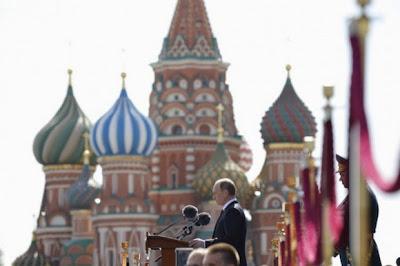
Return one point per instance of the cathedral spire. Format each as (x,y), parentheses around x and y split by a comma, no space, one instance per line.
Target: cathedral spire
(190,34)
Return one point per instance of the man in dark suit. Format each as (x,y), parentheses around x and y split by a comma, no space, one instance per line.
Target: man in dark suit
(231,225)
(342,247)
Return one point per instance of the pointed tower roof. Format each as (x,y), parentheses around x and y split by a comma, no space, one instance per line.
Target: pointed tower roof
(288,119)
(190,34)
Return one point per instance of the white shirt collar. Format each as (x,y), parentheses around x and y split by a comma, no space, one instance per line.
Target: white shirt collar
(229,202)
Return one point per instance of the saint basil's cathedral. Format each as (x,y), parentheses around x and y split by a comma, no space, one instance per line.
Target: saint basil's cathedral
(152,166)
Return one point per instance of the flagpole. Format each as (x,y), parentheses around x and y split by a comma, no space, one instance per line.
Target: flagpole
(358,253)
(327,245)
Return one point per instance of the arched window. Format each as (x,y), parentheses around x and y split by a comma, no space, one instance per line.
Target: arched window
(131,184)
(110,256)
(264,243)
(280,173)
(61,197)
(114,184)
(204,130)
(174,180)
(173,177)
(177,130)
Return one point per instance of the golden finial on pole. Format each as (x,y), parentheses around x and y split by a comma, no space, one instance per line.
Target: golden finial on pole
(86,152)
(363,3)
(220,130)
(70,77)
(124,253)
(275,246)
(328,92)
(288,68)
(123,76)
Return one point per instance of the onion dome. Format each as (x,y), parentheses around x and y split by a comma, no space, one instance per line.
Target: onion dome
(83,191)
(123,130)
(60,140)
(288,119)
(221,166)
(77,252)
(32,257)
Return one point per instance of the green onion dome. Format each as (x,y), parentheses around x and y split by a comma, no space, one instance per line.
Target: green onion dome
(60,140)
(222,166)
(288,119)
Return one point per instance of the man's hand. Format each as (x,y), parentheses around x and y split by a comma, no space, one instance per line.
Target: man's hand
(197,243)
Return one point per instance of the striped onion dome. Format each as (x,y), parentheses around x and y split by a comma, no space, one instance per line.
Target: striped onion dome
(60,140)
(77,252)
(83,191)
(221,166)
(32,257)
(123,130)
(288,119)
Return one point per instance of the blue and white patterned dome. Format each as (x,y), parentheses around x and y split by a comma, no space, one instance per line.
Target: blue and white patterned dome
(123,130)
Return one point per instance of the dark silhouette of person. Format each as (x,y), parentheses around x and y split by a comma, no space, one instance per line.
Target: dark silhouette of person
(342,247)
(231,225)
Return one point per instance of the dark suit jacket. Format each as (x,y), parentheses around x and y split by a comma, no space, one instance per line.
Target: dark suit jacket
(231,228)
(344,237)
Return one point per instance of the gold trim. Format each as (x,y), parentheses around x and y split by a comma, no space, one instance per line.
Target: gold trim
(65,167)
(125,158)
(285,145)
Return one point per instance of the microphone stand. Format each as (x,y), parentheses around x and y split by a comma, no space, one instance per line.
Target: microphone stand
(168,227)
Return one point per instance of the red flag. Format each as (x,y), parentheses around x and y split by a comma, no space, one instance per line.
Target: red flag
(312,223)
(328,191)
(358,116)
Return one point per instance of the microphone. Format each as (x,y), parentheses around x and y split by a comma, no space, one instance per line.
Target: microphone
(201,219)
(189,212)
(204,219)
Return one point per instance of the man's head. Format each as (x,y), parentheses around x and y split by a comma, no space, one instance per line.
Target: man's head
(221,254)
(343,165)
(196,257)
(224,189)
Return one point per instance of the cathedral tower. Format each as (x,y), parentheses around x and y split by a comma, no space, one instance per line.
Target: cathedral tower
(123,139)
(190,81)
(283,129)
(59,147)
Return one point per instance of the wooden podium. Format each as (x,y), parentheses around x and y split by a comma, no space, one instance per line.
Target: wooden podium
(167,245)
